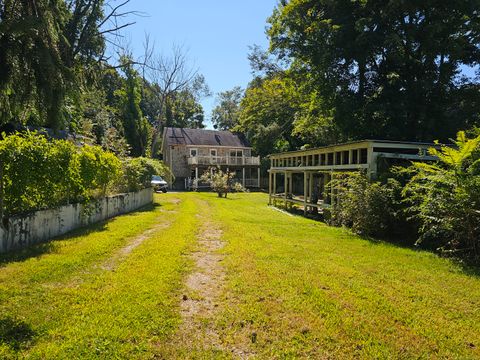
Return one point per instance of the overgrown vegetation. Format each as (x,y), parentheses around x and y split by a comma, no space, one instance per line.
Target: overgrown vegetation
(439,202)
(38,173)
(370,209)
(445,197)
(137,172)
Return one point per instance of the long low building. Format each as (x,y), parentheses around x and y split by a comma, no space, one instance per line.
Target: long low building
(317,166)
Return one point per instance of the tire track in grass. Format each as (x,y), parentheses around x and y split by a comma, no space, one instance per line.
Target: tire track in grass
(201,303)
(111,263)
(120,255)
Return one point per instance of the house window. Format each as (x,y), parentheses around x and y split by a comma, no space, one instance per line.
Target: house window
(193,152)
(213,152)
(236,153)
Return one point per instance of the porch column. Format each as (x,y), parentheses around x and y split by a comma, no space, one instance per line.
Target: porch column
(305,192)
(286,188)
(274,183)
(310,189)
(196,172)
(258,177)
(270,187)
(243,177)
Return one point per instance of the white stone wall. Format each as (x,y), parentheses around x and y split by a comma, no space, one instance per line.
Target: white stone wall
(40,226)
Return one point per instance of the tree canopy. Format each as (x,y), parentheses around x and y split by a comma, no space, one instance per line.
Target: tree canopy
(226,113)
(386,69)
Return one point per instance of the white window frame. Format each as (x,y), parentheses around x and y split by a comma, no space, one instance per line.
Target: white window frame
(213,158)
(236,153)
(196,152)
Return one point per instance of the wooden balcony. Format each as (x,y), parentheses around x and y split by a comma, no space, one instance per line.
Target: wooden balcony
(224,160)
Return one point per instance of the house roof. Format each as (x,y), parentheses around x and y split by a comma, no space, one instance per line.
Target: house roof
(183,136)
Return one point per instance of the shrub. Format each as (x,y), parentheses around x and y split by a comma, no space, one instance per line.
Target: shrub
(368,208)
(98,170)
(37,173)
(138,172)
(445,197)
(221,182)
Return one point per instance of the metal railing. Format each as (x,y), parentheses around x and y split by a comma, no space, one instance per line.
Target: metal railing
(224,160)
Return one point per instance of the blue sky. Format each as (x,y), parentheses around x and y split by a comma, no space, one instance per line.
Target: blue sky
(216,34)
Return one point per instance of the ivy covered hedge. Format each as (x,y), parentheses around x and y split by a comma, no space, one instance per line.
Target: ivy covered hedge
(38,173)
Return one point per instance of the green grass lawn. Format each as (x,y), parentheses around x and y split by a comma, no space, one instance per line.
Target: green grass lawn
(294,288)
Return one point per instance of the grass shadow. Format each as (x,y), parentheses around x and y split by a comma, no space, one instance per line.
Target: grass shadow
(51,245)
(15,334)
(468,266)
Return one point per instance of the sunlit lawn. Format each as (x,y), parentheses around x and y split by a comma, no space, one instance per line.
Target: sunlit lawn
(295,289)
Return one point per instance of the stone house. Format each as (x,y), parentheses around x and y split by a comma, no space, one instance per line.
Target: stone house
(190,152)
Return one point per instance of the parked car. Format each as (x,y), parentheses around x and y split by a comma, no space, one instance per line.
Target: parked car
(159,184)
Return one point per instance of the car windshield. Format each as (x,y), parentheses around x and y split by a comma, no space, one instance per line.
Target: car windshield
(157,178)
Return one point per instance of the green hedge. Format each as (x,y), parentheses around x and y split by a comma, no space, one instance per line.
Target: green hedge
(38,173)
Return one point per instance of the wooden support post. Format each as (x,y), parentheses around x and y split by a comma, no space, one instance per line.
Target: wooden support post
(270,187)
(243,177)
(305,192)
(258,178)
(291,184)
(310,188)
(274,183)
(331,189)
(286,188)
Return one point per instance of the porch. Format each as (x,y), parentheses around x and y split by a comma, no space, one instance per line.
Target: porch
(303,175)
(249,177)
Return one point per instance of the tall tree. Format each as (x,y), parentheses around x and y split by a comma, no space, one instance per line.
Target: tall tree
(389,69)
(183,110)
(32,73)
(225,115)
(137,130)
(48,50)
(267,113)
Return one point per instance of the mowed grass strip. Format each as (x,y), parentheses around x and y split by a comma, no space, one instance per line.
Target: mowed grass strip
(63,304)
(297,289)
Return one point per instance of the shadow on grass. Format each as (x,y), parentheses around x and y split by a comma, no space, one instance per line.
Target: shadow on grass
(15,334)
(51,246)
(468,266)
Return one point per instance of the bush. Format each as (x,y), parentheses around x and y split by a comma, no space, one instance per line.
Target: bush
(98,170)
(221,182)
(138,172)
(445,197)
(368,208)
(37,173)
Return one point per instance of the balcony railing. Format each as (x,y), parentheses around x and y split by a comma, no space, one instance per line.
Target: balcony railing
(223,160)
